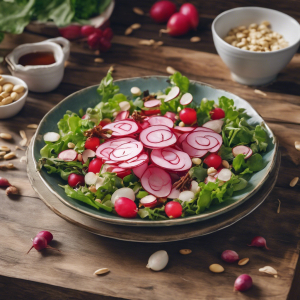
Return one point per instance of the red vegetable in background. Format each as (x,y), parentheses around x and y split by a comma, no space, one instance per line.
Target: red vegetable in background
(4,182)
(213,160)
(108,34)
(243,283)
(70,32)
(161,11)
(191,12)
(40,243)
(178,24)
(217,113)
(229,256)
(259,242)
(104,44)
(74,179)
(87,30)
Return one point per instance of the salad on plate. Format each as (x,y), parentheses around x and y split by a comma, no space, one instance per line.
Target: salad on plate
(154,155)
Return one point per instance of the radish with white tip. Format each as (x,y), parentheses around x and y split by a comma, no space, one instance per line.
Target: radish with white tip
(186,99)
(123,192)
(158,260)
(215,125)
(86,154)
(242,150)
(174,92)
(148,201)
(186,196)
(90,178)
(51,137)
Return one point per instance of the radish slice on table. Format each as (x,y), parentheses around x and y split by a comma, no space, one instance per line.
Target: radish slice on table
(104,150)
(122,115)
(209,179)
(148,201)
(141,159)
(51,137)
(174,92)
(215,125)
(122,192)
(242,150)
(224,175)
(186,196)
(186,99)
(159,120)
(87,153)
(139,171)
(68,155)
(170,115)
(174,194)
(171,159)
(155,137)
(122,128)
(126,151)
(90,178)
(184,129)
(157,182)
(152,103)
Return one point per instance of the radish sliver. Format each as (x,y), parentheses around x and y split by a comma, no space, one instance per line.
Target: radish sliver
(152,103)
(159,120)
(141,159)
(242,150)
(122,128)
(68,155)
(157,182)
(122,115)
(139,171)
(126,151)
(186,99)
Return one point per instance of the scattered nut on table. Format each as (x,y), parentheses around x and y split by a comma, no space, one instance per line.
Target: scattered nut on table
(101,271)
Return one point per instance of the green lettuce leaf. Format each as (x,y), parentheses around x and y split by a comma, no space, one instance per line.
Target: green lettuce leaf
(198,172)
(107,89)
(181,81)
(203,111)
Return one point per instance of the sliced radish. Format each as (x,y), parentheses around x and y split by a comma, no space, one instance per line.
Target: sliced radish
(145,124)
(87,153)
(174,194)
(157,182)
(195,188)
(139,171)
(159,120)
(124,105)
(161,97)
(186,99)
(170,115)
(104,150)
(68,155)
(141,159)
(126,151)
(209,179)
(90,178)
(192,152)
(174,92)
(148,201)
(51,137)
(186,196)
(122,128)
(242,150)
(151,112)
(122,192)
(181,139)
(99,182)
(215,125)
(152,103)
(171,159)
(122,115)
(224,175)
(184,129)
(155,137)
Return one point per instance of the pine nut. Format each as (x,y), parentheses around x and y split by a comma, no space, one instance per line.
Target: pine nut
(93,189)
(5,136)
(9,155)
(128,31)
(1,89)
(98,60)
(32,126)
(71,145)
(101,271)
(216,268)
(136,26)
(7,100)
(195,39)
(4,148)
(10,166)
(185,251)
(225,164)
(2,153)
(7,87)
(79,157)
(181,124)
(138,11)
(98,200)
(4,94)
(13,95)
(196,161)
(18,88)
(170,70)
(294,181)
(211,170)
(243,261)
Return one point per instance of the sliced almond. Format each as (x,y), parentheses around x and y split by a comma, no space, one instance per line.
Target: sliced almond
(32,126)
(216,268)
(259,92)
(195,39)
(128,31)
(136,26)
(9,155)
(268,270)
(170,70)
(101,271)
(23,142)
(4,148)
(5,136)
(138,11)
(294,181)
(98,60)
(185,251)
(243,261)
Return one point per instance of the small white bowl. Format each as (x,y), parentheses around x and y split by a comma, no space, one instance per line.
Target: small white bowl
(249,67)
(9,110)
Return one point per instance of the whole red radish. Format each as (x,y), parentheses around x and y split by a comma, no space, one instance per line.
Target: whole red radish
(213,161)
(217,113)
(178,24)
(4,182)
(75,179)
(95,165)
(70,32)
(191,12)
(173,209)
(39,243)
(92,143)
(188,116)
(259,242)
(87,30)
(47,235)
(94,40)
(104,44)
(161,11)
(229,256)
(126,208)
(243,283)
(108,34)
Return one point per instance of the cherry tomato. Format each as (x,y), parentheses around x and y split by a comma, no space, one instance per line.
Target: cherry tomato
(178,24)
(87,30)
(108,33)
(104,45)
(217,113)
(213,161)
(74,179)
(95,165)
(105,122)
(173,209)
(191,12)
(161,11)
(188,116)
(92,143)
(126,208)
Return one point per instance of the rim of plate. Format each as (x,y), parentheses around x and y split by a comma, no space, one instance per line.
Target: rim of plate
(170,222)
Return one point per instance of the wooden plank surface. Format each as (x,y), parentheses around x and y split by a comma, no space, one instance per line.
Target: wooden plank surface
(67,275)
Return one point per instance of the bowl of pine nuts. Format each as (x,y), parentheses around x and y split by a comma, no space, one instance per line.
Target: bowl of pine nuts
(13,94)
(255,43)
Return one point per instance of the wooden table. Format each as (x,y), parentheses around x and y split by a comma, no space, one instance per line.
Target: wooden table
(69,275)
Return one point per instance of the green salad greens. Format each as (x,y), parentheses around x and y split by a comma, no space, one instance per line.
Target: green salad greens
(197,156)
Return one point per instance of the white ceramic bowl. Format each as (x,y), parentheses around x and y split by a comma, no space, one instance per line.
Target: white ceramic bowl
(255,68)
(9,110)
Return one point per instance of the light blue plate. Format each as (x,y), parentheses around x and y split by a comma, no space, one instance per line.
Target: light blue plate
(88,97)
